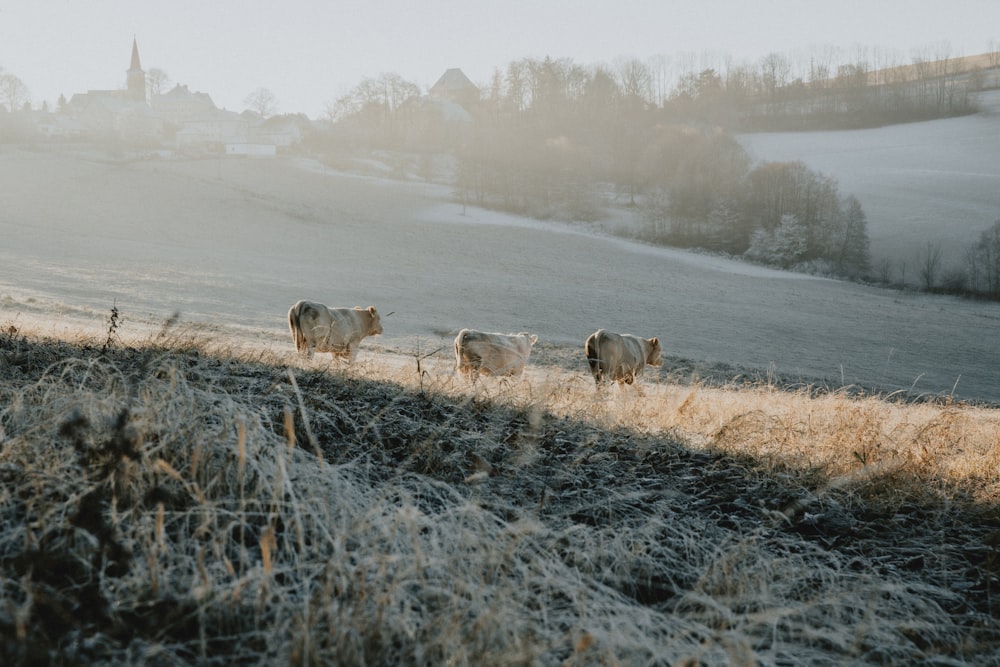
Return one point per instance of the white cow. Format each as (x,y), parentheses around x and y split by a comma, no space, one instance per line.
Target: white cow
(338,331)
(619,357)
(492,353)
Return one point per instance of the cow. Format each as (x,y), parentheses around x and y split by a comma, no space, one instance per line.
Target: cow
(492,353)
(338,331)
(619,357)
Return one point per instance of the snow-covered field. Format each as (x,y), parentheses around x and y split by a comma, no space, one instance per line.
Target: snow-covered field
(935,182)
(235,242)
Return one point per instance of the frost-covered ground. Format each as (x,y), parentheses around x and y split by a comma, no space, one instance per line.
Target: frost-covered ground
(236,242)
(935,182)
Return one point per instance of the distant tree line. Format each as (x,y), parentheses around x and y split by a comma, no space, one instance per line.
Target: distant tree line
(554,139)
(976,275)
(850,95)
(778,213)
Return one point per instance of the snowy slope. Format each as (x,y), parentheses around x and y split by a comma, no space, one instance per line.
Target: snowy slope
(934,182)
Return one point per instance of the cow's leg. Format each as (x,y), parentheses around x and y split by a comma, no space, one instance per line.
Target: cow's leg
(595,370)
(470,368)
(601,378)
(469,372)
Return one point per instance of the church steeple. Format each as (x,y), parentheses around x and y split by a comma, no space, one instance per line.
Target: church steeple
(136,78)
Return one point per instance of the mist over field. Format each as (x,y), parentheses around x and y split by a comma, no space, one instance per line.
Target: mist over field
(237,241)
(810,477)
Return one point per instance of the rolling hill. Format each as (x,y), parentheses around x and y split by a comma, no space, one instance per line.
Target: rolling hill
(236,242)
(934,182)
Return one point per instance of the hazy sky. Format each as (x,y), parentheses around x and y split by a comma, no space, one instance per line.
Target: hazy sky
(309,52)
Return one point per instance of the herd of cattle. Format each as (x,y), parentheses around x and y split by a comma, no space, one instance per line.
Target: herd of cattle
(611,356)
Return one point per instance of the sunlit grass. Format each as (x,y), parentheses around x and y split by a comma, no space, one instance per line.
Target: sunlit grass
(197,497)
(836,434)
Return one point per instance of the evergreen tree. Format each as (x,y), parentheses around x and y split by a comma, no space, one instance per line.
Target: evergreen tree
(854,257)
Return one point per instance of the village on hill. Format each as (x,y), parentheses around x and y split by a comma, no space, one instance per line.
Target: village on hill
(390,112)
(179,119)
(625,148)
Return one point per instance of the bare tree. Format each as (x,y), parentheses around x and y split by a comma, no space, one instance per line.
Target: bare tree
(983,259)
(263,102)
(13,92)
(660,78)
(854,256)
(929,262)
(156,81)
(635,81)
(774,72)
(884,269)
(518,87)
(382,105)
(993,52)
(396,91)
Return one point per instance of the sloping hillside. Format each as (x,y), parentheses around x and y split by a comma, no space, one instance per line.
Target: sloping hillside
(171,501)
(236,242)
(935,182)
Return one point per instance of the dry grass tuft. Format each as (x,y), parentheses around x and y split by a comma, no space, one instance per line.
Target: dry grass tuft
(170,501)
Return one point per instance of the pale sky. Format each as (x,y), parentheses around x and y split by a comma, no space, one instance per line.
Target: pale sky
(309,52)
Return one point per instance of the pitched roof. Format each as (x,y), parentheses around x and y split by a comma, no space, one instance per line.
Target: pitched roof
(181,95)
(451,82)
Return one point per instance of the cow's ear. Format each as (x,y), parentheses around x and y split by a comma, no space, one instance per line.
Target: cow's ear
(371,309)
(654,341)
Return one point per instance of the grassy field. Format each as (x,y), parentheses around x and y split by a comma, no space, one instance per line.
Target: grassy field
(167,500)
(236,242)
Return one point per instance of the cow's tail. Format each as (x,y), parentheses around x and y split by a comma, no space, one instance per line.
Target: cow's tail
(459,344)
(593,350)
(295,326)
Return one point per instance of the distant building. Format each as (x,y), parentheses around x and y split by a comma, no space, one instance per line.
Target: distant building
(104,113)
(211,133)
(180,104)
(454,86)
(185,120)
(135,81)
(116,100)
(442,119)
(123,112)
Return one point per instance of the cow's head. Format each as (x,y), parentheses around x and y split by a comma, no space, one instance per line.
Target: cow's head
(375,326)
(653,352)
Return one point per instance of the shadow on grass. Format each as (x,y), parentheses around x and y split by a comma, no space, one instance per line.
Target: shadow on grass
(103,475)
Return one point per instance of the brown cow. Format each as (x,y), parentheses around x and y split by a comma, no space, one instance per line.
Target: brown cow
(492,353)
(338,331)
(620,358)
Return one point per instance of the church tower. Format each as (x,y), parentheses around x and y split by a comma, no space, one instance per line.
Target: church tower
(136,81)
